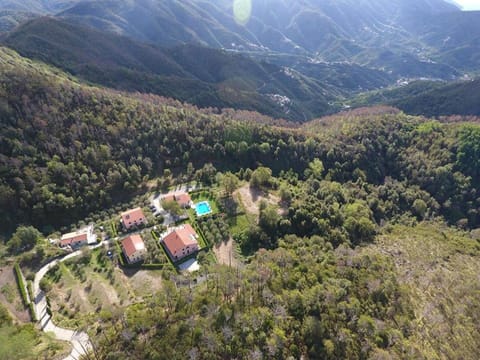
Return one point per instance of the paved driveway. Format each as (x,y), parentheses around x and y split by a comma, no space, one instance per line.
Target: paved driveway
(80,342)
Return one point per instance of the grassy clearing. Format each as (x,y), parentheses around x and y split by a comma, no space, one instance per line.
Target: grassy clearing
(238,224)
(439,269)
(27,343)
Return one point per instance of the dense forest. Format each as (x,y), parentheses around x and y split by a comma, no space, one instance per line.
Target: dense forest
(323,279)
(309,299)
(68,149)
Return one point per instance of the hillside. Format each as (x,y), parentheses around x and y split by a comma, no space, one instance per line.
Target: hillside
(456,36)
(114,141)
(428,38)
(428,98)
(104,144)
(9,19)
(437,266)
(365,247)
(201,76)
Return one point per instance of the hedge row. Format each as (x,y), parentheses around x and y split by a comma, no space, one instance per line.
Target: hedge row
(153,266)
(21,284)
(30,291)
(120,253)
(23,292)
(31,307)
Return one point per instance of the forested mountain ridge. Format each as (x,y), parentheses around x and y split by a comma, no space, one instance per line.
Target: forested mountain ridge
(117,137)
(291,60)
(404,38)
(69,149)
(428,98)
(201,76)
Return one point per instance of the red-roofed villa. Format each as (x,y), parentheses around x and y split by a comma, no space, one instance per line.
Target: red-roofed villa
(182,199)
(181,242)
(133,218)
(133,248)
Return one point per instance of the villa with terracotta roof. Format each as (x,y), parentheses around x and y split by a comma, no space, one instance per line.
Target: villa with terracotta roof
(181,242)
(133,248)
(182,199)
(79,238)
(133,218)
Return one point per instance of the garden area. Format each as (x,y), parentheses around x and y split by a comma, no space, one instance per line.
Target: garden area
(214,229)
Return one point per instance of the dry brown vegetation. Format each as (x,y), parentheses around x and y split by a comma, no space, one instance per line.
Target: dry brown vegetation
(439,268)
(225,253)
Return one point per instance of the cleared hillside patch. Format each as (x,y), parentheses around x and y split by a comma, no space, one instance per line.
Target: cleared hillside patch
(439,268)
(90,285)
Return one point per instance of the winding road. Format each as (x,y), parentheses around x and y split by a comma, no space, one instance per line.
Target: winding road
(80,341)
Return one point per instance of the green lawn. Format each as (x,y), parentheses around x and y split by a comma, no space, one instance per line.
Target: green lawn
(238,224)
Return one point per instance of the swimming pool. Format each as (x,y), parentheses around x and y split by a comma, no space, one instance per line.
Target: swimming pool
(203,208)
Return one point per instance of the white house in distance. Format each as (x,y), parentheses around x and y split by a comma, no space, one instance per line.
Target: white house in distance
(133,248)
(181,242)
(79,238)
(133,218)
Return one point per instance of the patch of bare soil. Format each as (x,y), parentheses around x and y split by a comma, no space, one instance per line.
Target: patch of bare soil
(10,296)
(105,292)
(145,282)
(251,199)
(225,253)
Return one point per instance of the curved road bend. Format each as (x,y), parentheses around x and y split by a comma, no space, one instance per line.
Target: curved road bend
(80,342)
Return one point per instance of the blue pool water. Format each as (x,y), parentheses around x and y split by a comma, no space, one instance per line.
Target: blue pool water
(203,208)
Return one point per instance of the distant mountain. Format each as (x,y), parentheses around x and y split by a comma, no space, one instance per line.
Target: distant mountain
(37,6)
(365,32)
(429,98)
(293,59)
(202,76)
(9,19)
(309,26)
(456,38)
(406,38)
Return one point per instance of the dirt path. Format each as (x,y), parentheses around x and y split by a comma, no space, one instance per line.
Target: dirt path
(225,253)
(251,199)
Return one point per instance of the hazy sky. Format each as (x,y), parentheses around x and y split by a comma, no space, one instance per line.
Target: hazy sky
(469,4)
